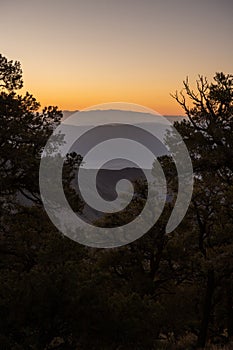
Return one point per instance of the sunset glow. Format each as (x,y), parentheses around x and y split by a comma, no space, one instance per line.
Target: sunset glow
(75,54)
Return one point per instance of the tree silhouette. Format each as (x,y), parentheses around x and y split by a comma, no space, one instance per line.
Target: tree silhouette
(163,291)
(10,74)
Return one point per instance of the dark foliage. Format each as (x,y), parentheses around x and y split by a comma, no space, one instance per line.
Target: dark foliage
(164,291)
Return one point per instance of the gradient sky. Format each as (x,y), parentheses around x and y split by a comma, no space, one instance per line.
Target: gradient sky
(76,53)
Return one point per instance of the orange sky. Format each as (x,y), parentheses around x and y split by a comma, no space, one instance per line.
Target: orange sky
(77,53)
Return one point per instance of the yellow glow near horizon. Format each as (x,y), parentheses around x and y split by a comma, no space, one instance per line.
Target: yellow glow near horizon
(77,53)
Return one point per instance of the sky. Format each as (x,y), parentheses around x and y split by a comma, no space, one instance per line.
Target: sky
(79,53)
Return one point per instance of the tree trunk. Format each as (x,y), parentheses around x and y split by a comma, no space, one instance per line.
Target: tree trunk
(230,310)
(206,310)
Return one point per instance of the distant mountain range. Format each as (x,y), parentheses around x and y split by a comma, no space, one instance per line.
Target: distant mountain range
(113,171)
(92,135)
(67,113)
(171,118)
